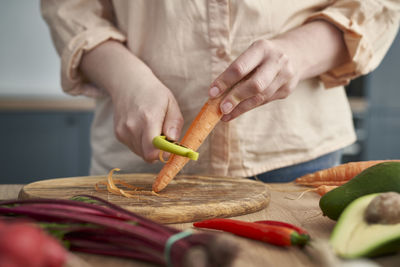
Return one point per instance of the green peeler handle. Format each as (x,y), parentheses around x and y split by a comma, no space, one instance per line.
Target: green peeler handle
(163,144)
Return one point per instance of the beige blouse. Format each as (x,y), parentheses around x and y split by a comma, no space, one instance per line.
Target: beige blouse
(188,43)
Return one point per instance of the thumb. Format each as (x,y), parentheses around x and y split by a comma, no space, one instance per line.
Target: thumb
(173,121)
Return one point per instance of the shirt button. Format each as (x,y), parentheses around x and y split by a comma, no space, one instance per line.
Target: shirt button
(221,53)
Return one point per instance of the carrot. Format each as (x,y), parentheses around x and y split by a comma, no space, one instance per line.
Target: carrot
(209,115)
(323,189)
(319,183)
(338,175)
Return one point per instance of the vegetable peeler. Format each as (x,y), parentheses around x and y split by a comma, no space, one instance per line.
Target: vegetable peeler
(163,144)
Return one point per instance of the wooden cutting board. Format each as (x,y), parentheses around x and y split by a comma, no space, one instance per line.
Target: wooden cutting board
(187,198)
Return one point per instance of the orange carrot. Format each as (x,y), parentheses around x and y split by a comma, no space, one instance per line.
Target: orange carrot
(319,183)
(323,189)
(337,175)
(209,115)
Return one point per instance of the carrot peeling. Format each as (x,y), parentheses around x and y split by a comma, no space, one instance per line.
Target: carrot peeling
(205,121)
(96,186)
(161,158)
(112,188)
(128,185)
(110,182)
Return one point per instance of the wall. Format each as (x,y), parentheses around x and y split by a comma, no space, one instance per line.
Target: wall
(383,120)
(29,64)
(37,141)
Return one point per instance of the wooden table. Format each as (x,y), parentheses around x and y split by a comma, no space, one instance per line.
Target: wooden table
(284,207)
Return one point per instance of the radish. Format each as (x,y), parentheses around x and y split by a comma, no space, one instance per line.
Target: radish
(25,244)
(22,243)
(8,262)
(54,254)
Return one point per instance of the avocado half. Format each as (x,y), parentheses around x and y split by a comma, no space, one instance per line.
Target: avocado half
(353,237)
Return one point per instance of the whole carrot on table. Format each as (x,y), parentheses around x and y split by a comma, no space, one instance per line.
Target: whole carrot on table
(337,175)
(209,115)
(323,189)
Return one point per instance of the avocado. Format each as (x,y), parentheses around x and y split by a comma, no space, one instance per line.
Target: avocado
(382,177)
(354,237)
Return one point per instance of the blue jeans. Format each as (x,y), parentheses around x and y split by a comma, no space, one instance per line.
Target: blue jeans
(290,173)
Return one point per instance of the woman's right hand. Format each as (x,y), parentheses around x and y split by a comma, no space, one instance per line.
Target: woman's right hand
(142,111)
(143,106)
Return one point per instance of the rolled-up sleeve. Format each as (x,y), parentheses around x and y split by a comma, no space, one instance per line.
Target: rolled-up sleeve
(77,26)
(369,27)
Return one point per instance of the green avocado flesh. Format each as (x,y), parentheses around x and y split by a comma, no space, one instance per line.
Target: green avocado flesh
(353,237)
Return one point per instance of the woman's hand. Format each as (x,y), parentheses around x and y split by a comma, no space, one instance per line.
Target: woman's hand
(143,106)
(263,73)
(270,69)
(141,113)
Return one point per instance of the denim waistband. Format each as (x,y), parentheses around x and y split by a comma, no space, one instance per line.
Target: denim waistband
(290,173)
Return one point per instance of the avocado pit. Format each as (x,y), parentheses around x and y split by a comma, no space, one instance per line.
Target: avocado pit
(384,209)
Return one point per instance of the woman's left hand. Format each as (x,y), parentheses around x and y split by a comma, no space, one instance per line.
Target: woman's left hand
(263,73)
(270,69)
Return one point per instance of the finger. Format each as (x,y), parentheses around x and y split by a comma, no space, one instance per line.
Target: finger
(284,83)
(285,90)
(173,121)
(123,132)
(237,71)
(150,127)
(279,88)
(150,153)
(242,107)
(164,156)
(136,144)
(256,84)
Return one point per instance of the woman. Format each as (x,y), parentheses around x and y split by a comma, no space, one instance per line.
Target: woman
(152,64)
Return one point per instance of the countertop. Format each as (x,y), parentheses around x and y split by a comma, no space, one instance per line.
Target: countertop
(284,206)
(46,103)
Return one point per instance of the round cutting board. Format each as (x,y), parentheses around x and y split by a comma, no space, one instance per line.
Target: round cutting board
(187,198)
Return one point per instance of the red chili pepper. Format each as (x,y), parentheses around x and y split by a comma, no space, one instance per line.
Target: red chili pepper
(285,224)
(273,234)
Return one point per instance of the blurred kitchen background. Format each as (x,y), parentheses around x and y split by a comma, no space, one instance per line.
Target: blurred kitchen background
(45,133)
